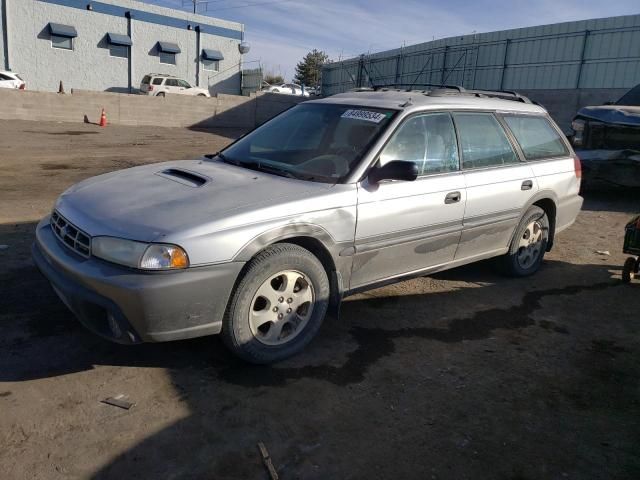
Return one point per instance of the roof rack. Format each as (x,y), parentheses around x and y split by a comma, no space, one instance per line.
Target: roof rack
(504,94)
(438,90)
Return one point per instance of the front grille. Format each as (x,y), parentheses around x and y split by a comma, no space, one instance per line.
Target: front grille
(70,235)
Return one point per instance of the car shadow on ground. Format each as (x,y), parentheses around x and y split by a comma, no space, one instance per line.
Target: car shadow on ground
(233,405)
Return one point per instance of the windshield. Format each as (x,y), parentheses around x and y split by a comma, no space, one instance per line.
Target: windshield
(631,98)
(318,142)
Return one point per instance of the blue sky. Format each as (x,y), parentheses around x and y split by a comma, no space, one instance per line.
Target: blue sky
(281,32)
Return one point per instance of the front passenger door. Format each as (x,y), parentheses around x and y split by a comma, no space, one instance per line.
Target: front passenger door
(406,227)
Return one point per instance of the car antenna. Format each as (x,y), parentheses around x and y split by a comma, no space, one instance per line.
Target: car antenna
(407,103)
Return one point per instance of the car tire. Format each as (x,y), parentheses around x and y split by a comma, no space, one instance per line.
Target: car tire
(275,90)
(201,95)
(278,305)
(629,270)
(528,245)
(161,94)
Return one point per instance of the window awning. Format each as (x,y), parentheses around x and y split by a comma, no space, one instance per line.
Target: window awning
(167,47)
(118,39)
(212,54)
(62,30)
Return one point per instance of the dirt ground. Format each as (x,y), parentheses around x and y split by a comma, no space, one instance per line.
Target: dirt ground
(462,375)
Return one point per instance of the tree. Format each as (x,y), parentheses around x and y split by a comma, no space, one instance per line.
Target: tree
(308,70)
(273,79)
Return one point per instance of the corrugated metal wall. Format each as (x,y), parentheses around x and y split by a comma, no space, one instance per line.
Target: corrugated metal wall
(599,53)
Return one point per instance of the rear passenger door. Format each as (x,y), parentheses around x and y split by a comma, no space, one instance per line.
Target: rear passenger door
(498,185)
(403,226)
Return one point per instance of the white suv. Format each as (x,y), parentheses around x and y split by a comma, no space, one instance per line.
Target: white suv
(11,80)
(159,84)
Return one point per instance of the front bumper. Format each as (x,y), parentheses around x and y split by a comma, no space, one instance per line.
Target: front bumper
(129,306)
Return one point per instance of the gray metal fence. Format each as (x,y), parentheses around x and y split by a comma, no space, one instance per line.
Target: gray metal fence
(251,80)
(599,53)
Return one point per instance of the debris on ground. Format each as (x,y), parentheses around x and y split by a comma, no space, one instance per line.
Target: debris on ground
(603,252)
(266,459)
(118,401)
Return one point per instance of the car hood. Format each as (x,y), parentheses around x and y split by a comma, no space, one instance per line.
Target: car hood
(152,201)
(612,114)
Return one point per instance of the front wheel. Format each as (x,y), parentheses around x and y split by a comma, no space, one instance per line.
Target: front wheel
(528,245)
(278,306)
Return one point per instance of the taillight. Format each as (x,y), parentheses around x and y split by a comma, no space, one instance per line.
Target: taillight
(23,86)
(577,166)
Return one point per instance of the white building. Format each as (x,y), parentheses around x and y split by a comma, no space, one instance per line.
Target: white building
(111,44)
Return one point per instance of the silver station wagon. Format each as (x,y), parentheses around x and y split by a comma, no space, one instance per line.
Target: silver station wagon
(334,196)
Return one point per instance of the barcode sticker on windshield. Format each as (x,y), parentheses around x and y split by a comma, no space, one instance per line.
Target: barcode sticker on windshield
(365,115)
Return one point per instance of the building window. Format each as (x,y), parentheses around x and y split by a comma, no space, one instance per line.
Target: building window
(167,52)
(211,65)
(120,51)
(168,58)
(64,43)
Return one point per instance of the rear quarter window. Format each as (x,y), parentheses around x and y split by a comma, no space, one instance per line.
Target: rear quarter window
(536,136)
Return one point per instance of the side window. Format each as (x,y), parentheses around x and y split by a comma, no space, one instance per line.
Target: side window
(428,140)
(537,138)
(184,84)
(157,81)
(484,142)
(4,77)
(171,82)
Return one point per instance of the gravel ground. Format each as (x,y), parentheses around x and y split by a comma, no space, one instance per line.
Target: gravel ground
(464,374)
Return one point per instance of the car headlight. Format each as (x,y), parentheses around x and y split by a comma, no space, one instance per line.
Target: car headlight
(134,254)
(578,132)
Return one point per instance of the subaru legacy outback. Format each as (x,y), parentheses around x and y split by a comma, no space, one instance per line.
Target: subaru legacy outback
(334,196)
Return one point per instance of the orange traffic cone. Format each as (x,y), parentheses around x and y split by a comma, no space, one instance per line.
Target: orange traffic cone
(103,119)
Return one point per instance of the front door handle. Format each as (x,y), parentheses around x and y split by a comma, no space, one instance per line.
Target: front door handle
(453,197)
(526,185)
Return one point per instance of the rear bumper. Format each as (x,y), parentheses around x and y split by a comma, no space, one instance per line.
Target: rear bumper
(127,306)
(567,211)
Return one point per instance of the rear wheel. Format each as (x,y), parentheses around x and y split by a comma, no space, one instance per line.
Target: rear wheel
(528,245)
(629,270)
(278,306)
(161,94)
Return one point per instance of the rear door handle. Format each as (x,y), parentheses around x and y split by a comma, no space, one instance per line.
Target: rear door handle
(526,185)
(453,197)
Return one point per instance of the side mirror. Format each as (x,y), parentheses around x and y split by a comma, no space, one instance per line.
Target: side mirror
(395,170)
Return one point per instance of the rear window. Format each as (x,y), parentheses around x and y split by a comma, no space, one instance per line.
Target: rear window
(631,98)
(537,138)
(146,79)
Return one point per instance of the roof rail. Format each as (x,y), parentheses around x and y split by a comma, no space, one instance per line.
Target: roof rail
(438,90)
(504,94)
(408,87)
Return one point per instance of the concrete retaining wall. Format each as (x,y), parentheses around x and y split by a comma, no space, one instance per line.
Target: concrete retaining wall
(171,111)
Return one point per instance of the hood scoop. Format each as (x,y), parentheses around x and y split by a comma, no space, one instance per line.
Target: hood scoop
(185,177)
